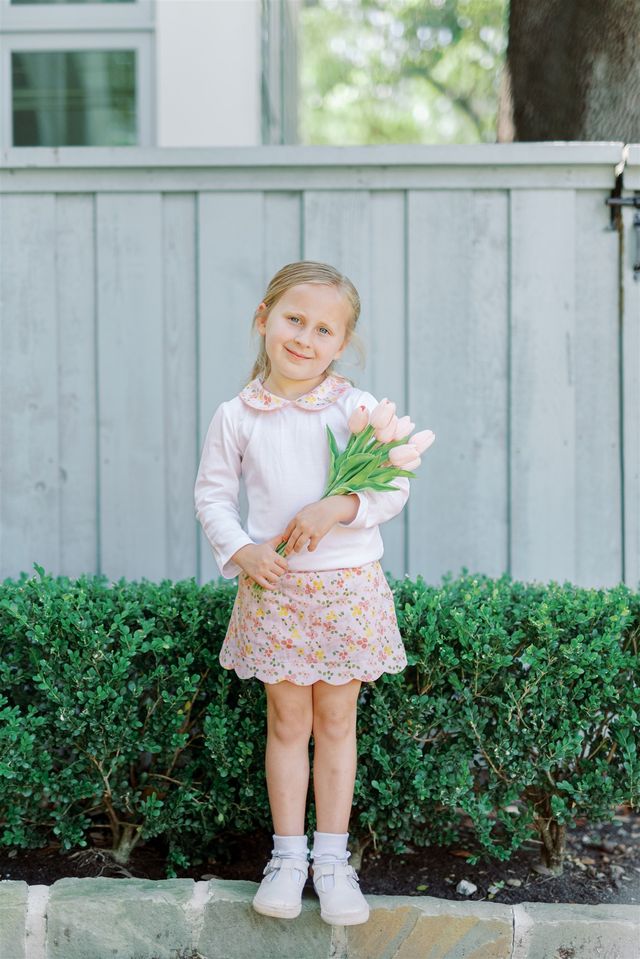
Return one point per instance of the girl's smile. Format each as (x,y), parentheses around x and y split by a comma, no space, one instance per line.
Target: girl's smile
(297,355)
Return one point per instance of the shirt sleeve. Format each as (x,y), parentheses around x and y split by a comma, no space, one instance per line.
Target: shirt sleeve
(216,492)
(378,506)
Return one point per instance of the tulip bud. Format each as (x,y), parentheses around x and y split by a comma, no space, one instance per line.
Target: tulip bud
(384,434)
(412,465)
(422,441)
(400,455)
(382,413)
(359,419)
(403,428)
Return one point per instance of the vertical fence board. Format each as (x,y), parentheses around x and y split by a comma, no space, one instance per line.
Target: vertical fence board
(179,375)
(29,414)
(458,279)
(630,344)
(543,391)
(133,499)
(386,323)
(282,227)
(75,307)
(596,370)
(230,258)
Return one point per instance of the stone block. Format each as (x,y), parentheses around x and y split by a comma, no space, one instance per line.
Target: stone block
(119,918)
(13,917)
(232,929)
(421,927)
(550,931)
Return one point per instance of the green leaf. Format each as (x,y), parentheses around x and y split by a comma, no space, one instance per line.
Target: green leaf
(333,450)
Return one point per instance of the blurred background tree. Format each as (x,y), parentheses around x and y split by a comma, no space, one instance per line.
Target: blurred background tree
(468,71)
(572,72)
(400,71)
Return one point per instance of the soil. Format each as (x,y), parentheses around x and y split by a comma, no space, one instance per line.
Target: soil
(602,865)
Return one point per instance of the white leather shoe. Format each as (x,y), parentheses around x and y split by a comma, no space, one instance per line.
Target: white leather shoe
(280,891)
(337,886)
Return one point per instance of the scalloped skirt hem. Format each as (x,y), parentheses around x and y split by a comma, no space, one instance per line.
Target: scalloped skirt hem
(299,681)
(332,625)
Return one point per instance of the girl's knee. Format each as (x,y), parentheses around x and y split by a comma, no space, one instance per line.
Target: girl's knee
(335,725)
(289,713)
(334,714)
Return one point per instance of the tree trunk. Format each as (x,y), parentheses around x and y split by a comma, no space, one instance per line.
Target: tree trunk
(572,71)
(554,840)
(127,840)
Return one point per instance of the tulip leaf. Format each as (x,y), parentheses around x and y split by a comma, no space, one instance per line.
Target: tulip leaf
(405,473)
(353,465)
(381,488)
(333,448)
(362,439)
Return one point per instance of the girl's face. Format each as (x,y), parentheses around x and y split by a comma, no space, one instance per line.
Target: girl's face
(304,332)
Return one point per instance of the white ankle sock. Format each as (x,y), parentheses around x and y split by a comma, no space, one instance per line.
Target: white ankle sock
(290,847)
(329,847)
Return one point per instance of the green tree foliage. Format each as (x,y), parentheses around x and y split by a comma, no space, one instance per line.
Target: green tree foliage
(400,71)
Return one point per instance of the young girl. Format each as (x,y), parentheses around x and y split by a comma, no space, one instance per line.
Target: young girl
(324,620)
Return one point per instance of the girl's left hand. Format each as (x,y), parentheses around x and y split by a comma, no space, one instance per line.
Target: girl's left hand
(313,522)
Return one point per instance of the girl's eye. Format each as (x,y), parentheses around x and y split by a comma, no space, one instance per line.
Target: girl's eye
(322,327)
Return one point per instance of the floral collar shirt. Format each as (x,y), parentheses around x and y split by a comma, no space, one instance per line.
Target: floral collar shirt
(279,448)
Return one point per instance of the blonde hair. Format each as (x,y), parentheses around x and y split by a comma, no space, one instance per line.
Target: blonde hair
(306,271)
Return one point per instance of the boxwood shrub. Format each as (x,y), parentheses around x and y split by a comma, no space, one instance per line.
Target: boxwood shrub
(517,714)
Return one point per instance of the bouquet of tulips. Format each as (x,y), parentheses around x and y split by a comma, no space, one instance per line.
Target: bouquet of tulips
(379,449)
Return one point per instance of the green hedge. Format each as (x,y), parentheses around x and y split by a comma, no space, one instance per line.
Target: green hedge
(519,709)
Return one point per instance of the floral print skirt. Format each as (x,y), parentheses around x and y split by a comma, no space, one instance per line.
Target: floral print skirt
(335,625)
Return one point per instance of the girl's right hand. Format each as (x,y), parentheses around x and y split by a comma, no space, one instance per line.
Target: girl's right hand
(261,562)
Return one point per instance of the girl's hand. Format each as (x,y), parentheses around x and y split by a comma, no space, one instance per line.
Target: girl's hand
(313,522)
(261,562)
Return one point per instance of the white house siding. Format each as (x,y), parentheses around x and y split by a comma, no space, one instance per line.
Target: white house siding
(490,284)
(208,72)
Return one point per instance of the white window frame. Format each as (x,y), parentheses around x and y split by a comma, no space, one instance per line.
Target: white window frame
(71,26)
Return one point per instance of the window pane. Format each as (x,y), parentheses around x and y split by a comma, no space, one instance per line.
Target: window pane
(74,98)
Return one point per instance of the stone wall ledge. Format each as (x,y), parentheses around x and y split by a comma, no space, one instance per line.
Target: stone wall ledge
(183,919)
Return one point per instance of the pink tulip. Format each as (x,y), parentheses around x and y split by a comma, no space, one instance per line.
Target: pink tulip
(414,464)
(384,434)
(359,419)
(422,441)
(403,428)
(382,413)
(400,455)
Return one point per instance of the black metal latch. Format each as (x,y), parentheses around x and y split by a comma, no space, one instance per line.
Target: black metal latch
(615,202)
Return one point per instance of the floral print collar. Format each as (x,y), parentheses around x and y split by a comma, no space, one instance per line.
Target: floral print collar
(333,386)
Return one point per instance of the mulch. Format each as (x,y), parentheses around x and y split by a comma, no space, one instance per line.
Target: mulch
(602,866)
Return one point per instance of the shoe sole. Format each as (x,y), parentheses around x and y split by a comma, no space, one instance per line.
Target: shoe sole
(349,920)
(278,912)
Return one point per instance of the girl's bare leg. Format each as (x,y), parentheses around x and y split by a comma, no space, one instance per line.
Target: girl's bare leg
(289,723)
(335,754)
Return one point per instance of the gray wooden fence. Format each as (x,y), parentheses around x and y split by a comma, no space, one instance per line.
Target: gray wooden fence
(499,309)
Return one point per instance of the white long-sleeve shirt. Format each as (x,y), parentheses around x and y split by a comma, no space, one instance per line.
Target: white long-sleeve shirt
(280,448)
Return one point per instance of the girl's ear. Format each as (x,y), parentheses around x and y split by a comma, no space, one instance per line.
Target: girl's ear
(343,347)
(260,318)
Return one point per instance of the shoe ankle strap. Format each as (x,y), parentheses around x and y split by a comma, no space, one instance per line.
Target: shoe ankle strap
(278,862)
(333,868)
